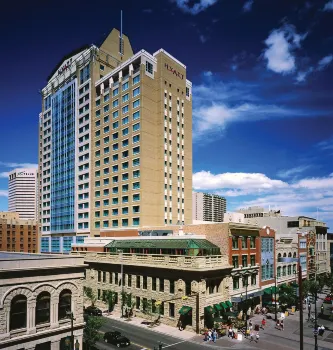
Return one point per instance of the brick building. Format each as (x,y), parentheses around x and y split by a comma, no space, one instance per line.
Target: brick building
(18,235)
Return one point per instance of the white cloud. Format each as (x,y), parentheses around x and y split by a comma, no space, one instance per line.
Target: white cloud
(326,144)
(248,6)
(325,62)
(19,165)
(245,183)
(198,7)
(3,193)
(328,6)
(302,76)
(207,73)
(300,198)
(281,44)
(4,174)
(293,171)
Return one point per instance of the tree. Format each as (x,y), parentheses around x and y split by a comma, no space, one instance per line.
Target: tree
(147,307)
(91,332)
(110,299)
(89,293)
(287,296)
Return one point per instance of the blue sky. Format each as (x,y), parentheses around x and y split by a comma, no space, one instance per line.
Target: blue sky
(262,88)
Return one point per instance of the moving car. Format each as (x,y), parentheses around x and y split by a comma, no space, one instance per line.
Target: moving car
(116,338)
(93,311)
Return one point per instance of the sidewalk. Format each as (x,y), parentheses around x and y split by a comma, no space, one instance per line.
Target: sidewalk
(162,328)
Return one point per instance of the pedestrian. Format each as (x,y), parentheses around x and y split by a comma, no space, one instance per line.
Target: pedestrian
(209,335)
(263,323)
(206,336)
(257,337)
(250,325)
(251,335)
(282,325)
(230,332)
(214,336)
(247,333)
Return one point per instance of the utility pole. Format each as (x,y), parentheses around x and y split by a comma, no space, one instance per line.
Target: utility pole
(300,282)
(71,316)
(275,299)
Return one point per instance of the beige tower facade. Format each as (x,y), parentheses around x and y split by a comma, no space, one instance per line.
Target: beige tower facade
(142,144)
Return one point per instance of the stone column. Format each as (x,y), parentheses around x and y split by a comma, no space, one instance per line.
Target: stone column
(55,345)
(31,317)
(54,315)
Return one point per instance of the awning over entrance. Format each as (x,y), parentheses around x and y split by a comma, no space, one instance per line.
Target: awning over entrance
(271,290)
(218,307)
(184,310)
(224,305)
(228,303)
(209,309)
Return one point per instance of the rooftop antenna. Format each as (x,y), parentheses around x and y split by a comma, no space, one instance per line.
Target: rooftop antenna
(121,48)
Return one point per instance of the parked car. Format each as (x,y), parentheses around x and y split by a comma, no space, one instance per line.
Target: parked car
(93,311)
(116,338)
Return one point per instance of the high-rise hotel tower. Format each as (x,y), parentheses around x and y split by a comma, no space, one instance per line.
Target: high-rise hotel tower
(115,147)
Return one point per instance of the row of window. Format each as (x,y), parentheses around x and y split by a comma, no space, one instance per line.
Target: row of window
(236,280)
(115,223)
(115,211)
(243,242)
(115,125)
(115,190)
(235,260)
(18,309)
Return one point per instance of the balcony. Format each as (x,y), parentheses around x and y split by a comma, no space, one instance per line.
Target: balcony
(177,262)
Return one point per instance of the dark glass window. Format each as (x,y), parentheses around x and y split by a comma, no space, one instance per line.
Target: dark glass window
(18,312)
(65,304)
(43,308)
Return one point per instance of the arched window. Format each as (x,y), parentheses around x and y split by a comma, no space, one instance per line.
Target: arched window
(289,255)
(43,308)
(294,256)
(18,312)
(284,270)
(65,304)
(279,255)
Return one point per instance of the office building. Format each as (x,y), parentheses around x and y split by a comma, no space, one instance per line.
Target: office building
(18,235)
(142,144)
(115,146)
(288,229)
(22,193)
(208,207)
(37,294)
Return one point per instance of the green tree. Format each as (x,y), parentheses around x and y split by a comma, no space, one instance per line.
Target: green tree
(110,298)
(287,296)
(89,293)
(147,307)
(91,333)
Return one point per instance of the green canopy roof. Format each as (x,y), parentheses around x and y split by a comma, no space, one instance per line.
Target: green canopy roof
(209,309)
(224,305)
(184,310)
(218,307)
(162,243)
(231,314)
(271,290)
(228,303)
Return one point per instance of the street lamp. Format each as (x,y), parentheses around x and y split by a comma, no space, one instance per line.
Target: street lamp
(246,281)
(71,317)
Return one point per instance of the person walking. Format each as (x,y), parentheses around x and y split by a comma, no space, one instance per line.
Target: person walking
(209,334)
(250,325)
(247,333)
(257,337)
(230,332)
(263,323)
(214,336)
(251,336)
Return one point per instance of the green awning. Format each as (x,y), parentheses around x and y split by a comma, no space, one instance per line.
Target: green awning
(218,307)
(224,305)
(209,309)
(184,310)
(271,290)
(228,303)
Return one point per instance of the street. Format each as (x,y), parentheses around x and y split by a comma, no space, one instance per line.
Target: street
(143,338)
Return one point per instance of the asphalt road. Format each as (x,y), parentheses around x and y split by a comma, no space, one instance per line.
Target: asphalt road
(143,338)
